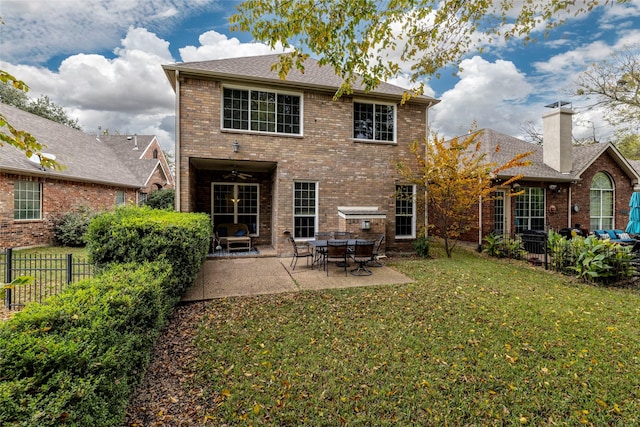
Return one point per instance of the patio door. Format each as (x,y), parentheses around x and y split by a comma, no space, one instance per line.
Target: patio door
(500,213)
(236,204)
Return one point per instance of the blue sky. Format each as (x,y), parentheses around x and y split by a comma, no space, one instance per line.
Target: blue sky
(101,60)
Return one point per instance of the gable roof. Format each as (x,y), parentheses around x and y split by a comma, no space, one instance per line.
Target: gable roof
(257,69)
(84,157)
(583,157)
(131,149)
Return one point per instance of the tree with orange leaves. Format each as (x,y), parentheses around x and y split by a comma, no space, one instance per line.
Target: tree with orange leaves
(457,175)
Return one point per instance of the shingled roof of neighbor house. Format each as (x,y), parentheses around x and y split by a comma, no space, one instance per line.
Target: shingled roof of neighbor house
(257,69)
(131,148)
(84,157)
(509,147)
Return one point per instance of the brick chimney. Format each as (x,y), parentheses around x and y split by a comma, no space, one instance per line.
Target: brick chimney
(557,140)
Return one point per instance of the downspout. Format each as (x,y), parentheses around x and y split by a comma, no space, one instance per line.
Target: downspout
(177,143)
(569,207)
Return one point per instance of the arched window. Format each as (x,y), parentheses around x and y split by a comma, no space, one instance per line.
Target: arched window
(155,154)
(601,202)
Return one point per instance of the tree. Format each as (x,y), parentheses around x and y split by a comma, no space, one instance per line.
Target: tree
(615,85)
(20,139)
(369,39)
(629,146)
(456,176)
(43,106)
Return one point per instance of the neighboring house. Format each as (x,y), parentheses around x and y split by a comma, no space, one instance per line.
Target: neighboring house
(590,185)
(97,175)
(285,158)
(143,156)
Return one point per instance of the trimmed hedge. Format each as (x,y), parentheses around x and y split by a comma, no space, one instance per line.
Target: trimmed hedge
(133,234)
(75,359)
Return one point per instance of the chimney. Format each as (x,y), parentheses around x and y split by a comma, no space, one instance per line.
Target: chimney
(557,140)
(135,141)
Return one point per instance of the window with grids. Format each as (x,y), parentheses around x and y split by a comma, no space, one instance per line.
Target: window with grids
(529,212)
(601,202)
(236,204)
(304,210)
(499,212)
(120,198)
(261,111)
(405,211)
(373,121)
(27,200)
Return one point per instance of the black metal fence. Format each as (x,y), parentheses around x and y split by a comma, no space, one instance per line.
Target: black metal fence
(601,263)
(49,274)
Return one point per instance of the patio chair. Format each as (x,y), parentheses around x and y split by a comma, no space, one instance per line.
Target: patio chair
(373,262)
(336,252)
(320,252)
(362,253)
(299,252)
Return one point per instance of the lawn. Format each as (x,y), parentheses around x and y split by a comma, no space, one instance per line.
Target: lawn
(475,341)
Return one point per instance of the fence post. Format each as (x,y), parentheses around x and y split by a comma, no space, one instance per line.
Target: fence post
(8,277)
(9,263)
(69,268)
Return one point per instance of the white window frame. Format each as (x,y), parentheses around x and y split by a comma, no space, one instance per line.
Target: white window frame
(315,207)
(235,205)
(262,89)
(375,103)
(413,213)
(121,197)
(18,200)
(601,192)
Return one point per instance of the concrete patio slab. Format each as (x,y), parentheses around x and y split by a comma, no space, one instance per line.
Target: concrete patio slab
(220,278)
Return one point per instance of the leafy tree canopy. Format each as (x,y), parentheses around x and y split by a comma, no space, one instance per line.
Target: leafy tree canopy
(371,38)
(43,106)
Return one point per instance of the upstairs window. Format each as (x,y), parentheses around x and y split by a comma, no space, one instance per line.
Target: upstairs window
(261,111)
(374,122)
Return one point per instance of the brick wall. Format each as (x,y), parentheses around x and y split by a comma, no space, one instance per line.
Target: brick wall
(559,212)
(348,173)
(58,197)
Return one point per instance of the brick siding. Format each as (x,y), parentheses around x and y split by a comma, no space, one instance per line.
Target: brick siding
(348,173)
(58,198)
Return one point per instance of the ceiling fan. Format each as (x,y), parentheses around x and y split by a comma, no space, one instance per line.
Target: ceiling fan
(235,175)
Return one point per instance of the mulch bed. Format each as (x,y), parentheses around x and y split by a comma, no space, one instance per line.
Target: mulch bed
(167,396)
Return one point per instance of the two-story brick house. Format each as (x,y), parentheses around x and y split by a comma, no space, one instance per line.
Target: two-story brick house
(565,185)
(285,158)
(100,172)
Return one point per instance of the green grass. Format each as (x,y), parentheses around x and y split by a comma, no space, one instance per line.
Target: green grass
(474,342)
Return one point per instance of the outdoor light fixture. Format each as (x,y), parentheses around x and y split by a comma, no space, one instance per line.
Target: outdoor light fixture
(555,189)
(236,146)
(515,186)
(365,225)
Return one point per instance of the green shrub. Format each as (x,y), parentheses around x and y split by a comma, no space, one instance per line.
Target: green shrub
(71,227)
(161,199)
(133,234)
(75,359)
(601,261)
(421,246)
(500,246)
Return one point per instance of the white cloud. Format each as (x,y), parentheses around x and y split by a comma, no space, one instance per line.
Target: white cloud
(491,94)
(53,27)
(214,45)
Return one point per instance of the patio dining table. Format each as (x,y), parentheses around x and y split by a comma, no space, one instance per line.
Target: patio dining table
(320,245)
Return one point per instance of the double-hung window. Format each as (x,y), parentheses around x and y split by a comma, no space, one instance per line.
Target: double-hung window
(305,208)
(405,211)
(374,122)
(261,111)
(27,200)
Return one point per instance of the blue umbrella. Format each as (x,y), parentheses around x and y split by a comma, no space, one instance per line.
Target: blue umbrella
(633,227)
